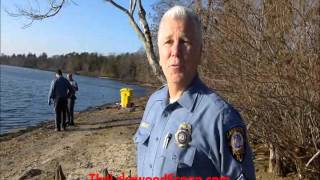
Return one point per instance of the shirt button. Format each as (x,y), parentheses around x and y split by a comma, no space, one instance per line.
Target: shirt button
(157,139)
(174,157)
(150,166)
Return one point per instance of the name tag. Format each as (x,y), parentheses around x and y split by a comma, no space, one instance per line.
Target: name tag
(144,125)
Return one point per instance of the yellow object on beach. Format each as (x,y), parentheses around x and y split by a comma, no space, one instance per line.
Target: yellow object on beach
(125,94)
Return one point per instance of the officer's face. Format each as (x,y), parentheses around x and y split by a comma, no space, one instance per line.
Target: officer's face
(179,50)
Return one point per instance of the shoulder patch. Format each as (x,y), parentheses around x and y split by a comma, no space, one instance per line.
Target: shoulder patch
(236,142)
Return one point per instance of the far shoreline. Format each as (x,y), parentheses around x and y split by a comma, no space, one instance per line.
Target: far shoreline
(86,74)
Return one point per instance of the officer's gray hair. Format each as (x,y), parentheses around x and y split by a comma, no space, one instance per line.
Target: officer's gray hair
(183,13)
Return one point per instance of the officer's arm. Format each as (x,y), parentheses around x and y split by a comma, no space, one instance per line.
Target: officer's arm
(70,88)
(50,94)
(76,88)
(234,150)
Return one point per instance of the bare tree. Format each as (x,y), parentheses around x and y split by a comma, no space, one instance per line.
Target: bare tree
(263,56)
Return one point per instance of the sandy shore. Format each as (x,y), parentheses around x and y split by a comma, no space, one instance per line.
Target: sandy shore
(102,138)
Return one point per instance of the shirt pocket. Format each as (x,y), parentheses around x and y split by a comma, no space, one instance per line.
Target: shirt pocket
(141,140)
(177,160)
(186,157)
(186,161)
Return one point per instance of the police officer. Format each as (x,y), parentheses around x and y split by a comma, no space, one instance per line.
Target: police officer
(187,129)
(60,90)
(71,99)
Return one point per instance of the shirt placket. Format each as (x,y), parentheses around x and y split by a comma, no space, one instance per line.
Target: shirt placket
(157,138)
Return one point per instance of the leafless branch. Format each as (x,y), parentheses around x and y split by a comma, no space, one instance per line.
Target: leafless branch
(121,8)
(313,157)
(33,14)
(132,6)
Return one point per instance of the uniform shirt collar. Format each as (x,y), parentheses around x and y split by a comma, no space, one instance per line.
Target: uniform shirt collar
(163,94)
(189,96)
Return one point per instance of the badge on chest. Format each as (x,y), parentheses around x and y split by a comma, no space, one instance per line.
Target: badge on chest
(183,135)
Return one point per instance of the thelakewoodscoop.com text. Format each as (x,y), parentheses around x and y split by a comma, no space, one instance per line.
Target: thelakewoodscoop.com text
(97,176)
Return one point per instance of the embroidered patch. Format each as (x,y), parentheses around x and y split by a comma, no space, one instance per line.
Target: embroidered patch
(144,125)
(236,143)
(183,135)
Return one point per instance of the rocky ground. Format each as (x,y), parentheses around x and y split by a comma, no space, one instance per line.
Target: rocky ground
(102,138)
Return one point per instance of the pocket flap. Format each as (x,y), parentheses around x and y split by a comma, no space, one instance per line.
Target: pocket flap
(187,156)
(142,135)
(141,138)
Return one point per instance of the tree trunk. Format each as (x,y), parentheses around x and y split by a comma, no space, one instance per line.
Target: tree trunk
(272,158)
(275,163)
(144,35)
(279,168)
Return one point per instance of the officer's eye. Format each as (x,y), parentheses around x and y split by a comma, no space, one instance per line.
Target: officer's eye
(169,41)
(186,41)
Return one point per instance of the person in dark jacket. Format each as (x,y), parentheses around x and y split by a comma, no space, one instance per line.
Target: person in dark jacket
(71,99)
(59,92)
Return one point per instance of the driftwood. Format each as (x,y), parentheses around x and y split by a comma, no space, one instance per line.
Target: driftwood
(30,173)
(105,173)
(59,174)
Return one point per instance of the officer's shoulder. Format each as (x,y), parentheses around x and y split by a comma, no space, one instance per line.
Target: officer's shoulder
(157,94)
(216,102)
(212,99)
(53,82)
(161,87)
(155,97)
(64,78)
(222,104)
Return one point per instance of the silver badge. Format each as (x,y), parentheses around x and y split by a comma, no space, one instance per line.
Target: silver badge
(183,135)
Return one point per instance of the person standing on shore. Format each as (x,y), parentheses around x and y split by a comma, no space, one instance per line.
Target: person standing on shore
(187,130)
(59,92)
(71,100)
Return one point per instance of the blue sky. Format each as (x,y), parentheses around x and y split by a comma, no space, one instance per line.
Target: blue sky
(89,26)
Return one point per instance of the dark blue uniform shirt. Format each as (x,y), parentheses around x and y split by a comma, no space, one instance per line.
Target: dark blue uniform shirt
(214,144)
(59,88)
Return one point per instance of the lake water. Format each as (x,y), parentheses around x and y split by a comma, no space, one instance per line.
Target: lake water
(24,95)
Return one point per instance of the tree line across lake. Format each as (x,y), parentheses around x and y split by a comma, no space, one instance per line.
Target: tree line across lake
(131,67)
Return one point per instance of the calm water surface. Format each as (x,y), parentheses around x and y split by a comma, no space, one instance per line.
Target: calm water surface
(24,93)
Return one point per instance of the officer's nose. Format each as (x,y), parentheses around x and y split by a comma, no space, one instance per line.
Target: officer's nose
(176,49)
